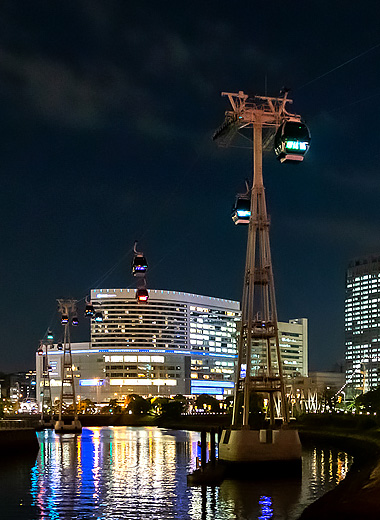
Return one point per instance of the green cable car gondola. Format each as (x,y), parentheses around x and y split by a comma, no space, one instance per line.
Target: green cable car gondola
(292,141)
(241,211)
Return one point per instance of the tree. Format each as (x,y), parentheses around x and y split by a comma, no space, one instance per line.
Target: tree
(172,409)
(112,407)
(158,403)
(369,402)
(182,399)
(207,402)
(87,406)
(137,404)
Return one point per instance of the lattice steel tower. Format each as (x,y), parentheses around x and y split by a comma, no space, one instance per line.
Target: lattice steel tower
(67,309)
(262,116)
(46,401)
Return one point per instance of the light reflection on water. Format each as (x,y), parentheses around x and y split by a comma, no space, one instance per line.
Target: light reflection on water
(140,473)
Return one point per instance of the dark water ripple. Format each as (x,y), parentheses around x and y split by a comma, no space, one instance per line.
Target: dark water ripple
(140,473)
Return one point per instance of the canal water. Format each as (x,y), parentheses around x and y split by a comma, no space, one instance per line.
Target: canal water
(117,473)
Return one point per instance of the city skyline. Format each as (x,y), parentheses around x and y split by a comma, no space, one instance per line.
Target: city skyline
(108,112)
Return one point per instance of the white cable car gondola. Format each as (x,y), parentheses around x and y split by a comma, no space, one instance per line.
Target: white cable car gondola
(292,141)
(241,211)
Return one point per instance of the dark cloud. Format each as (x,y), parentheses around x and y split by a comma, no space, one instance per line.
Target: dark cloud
(108,108)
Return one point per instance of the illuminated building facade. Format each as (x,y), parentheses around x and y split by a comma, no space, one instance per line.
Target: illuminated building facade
(293,337)
(362,325)
(178,343)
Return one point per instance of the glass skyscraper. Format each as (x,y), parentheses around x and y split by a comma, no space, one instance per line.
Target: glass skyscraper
(362,325)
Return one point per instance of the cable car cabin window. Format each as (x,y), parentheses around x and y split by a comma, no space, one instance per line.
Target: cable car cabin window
(241,212)
(139,264)
(296,131)
(243,205)
(291,141)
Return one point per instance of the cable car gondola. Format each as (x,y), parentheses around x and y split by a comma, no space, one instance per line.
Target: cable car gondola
(139,265)
(64,319)
(142,295)
(89,310)
(241,211)
(59,346)
(98,317)
(74,321)
(292,141)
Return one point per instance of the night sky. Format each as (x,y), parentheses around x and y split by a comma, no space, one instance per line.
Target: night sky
(108,108)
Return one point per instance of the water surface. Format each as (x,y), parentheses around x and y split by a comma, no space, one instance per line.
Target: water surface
(119,473)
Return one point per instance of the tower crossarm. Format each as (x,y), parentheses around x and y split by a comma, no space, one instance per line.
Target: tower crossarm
(267,111)
(266,384)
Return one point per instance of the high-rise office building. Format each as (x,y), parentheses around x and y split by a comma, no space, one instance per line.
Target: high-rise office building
(362,325)
(293,337)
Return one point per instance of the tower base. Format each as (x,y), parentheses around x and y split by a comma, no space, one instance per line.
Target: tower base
(74,427)
(258,446)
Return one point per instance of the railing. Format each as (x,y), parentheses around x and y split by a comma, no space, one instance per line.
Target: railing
(17,424)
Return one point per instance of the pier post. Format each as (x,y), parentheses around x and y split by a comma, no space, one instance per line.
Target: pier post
(212,446)
(203,449)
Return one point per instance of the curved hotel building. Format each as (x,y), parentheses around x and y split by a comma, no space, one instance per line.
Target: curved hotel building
(177,343)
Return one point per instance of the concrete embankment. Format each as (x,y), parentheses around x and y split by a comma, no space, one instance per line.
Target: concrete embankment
(14,442)
(185,422)
(358,495)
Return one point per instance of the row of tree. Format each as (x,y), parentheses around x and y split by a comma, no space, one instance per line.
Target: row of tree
(165,406)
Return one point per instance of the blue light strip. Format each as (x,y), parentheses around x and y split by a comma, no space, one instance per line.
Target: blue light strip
(147,351)
(207,390)
(212,384)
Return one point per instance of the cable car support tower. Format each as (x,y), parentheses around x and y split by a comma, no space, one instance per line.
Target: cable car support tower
(45,389)
(261,116)
(67,309)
